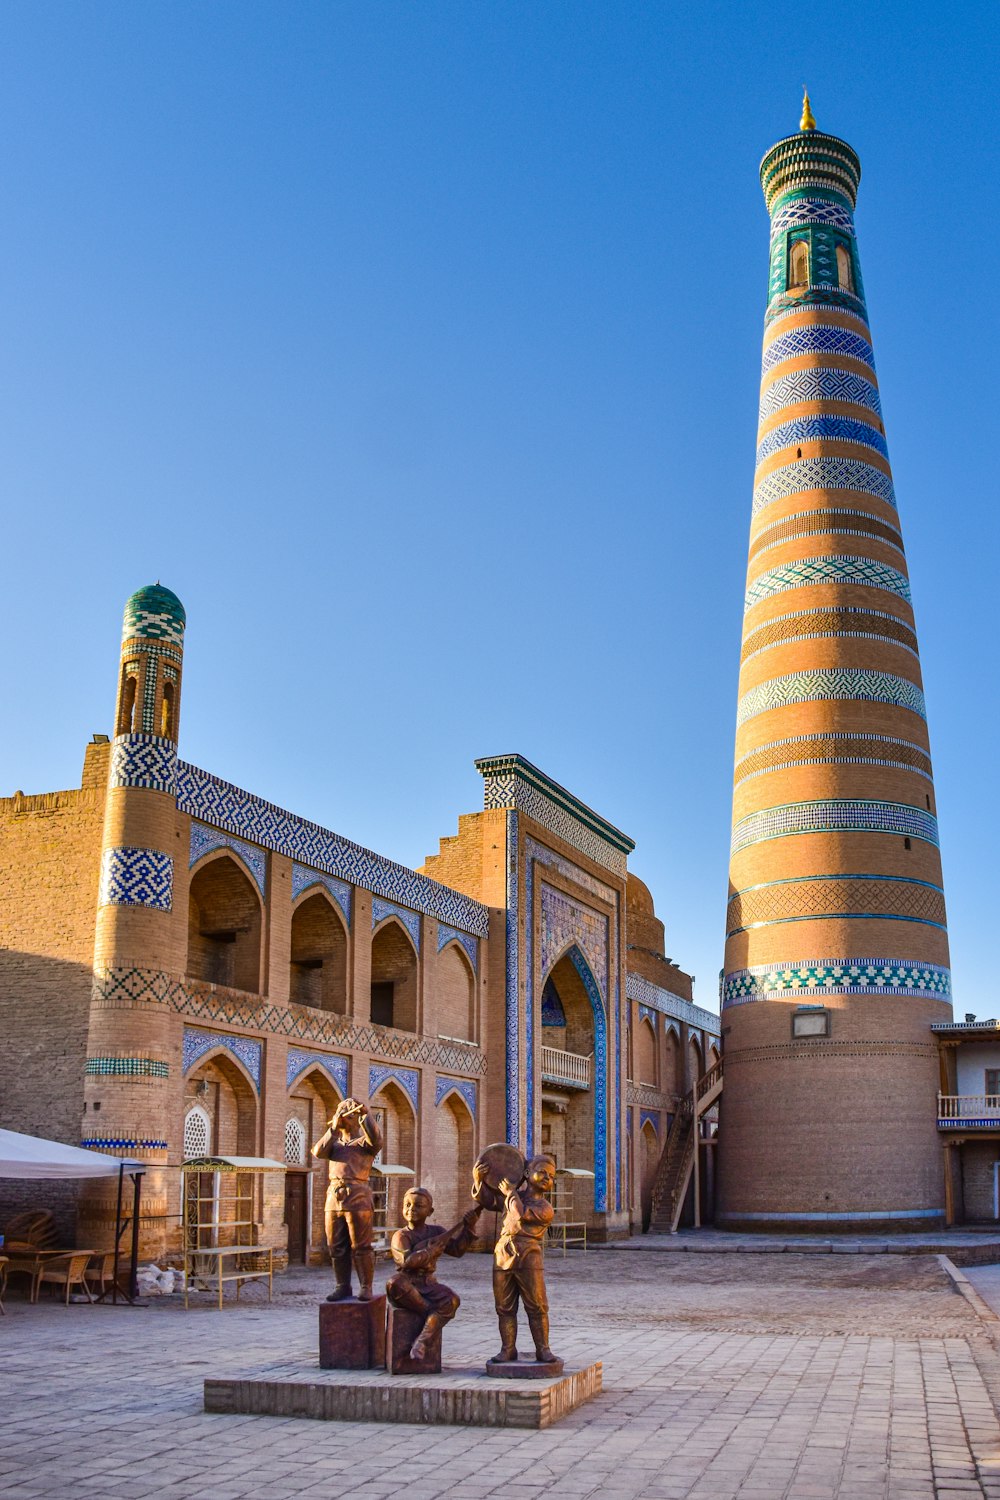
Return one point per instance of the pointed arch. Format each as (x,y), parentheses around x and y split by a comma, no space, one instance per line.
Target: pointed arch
(649,1157)
(219,1084)
(798,263)
(586,1032)
(225,918)
(318,952)
(644,1052)
(454,993)
(399,1139)
(454,1155)
(394,976)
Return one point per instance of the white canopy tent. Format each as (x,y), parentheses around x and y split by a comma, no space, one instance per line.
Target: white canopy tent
(30,1157)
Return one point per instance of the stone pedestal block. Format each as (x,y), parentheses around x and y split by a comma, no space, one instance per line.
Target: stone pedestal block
(352,1334)
(402,1328)
(523,1369)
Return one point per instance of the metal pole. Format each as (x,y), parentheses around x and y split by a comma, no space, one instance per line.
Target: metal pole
(118,1230)
(133,1272)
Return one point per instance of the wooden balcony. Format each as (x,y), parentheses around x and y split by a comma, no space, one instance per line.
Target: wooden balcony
(968,1111)
(565,1068)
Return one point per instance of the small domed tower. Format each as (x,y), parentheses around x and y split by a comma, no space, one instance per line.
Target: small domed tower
(139,939)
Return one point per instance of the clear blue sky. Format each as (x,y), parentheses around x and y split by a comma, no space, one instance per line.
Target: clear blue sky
(416,346)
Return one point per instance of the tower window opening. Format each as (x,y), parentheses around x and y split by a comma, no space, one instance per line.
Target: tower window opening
(126,712)
(907,844)
(845,271)
(928,795)
(798,264)
(167,711)
(798,453)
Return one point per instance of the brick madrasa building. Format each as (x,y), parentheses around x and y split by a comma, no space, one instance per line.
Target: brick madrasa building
(188,970)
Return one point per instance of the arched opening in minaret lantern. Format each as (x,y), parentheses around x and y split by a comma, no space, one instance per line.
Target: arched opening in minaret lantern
(798,263)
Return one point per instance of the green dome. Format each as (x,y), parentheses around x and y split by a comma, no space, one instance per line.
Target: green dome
(155,611)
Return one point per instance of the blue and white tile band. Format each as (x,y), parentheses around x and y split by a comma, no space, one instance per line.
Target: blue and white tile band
(819,384)
(833,684)
(835,815)
(821,428)
(136,877)
(814,979)
(863,572)
(817,338)
(825,473)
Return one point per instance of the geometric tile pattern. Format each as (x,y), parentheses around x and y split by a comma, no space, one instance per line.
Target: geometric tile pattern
(818,338)
(543,855)
(830,685)
(819,570)
(833,522)
(299,1061)
(818,428)
(151,656)
(125,988)
(552,1007)
(802,300)
(136,877)
(600,1088)
(204,840)
(812,211)
(835,815)
(845,749)
(126,1067)
(144,760)
(117,1143)
(382,909)
(644,992)
(808,898)
(461,1086)
(650,1117)
(514,791)
(249,817)
(155,613)
(407,1078)
(565,921)
(249,1052)
(512,988)
(647,1013)
(819,384)
(844,620)
(831,976)
(303,879)
(453,935)
(829,472)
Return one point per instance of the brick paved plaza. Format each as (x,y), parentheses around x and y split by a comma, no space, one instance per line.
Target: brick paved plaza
(768,1377)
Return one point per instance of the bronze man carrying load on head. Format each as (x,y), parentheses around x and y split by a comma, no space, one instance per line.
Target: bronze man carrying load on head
(501,1179)
(350,1144)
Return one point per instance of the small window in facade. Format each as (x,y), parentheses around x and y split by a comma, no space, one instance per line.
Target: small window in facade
(798,264)
(382,997)
(167,711)
(810,1021)
(993,1081)
(295,1143)
(845,272)
(197,1133)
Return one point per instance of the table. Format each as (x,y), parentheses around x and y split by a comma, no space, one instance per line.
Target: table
(220,1276)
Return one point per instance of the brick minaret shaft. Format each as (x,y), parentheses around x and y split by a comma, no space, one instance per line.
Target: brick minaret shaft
(836,947)
(132,1047)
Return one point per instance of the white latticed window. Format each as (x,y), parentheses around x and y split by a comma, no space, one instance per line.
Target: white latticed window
(197,1133)
(295,1143)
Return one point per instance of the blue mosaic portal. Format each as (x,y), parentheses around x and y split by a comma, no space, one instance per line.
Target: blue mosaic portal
(205,840)
(821,428)
(846,976)
(448,935)
(835,815)
(512,992)
(381,909)
(407,1078)
(249,1052)
(241,813)
(136,877)
(299,1062)
(830,685)
(303,879)
(600,1088)
(464,1087)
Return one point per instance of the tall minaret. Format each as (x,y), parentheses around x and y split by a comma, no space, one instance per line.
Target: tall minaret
(836,951)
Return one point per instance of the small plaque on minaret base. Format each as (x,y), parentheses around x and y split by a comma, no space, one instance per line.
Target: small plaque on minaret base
(352,1334)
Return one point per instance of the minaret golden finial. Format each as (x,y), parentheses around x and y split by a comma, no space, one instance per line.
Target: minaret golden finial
(807,122)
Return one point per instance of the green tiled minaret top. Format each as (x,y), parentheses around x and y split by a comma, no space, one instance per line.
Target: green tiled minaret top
(154,612)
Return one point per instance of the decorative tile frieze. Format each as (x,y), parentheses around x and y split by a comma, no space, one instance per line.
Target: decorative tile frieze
(512,990)
(810,572)
(464,1087)
(448,935)
(114,1143)
(847,748)
(827,472)
(510,781)
(819,384)
(818,978)
(835,815)
(812,211)
(841,620)
(644,1094)
(136,877)
(299,1062)
(831,684)
(821,428)
(644,992)
(647,1013)
(303,879)
(825,897)
(832,522)
(205,840)
(245,1049)
(143,760)
(816,338)
(650,1117)
(565,921)
(126,1067)
(130,988)
(246,816)
(408,1080)
(382,909)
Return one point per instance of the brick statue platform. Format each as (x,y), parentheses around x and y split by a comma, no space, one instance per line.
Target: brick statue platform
(352,1334)
(458,1397)
(402,1327)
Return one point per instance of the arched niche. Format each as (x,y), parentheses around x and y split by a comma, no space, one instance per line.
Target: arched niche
(644,1043)
(318,954)
(454,994)
(649,1157)
(576,1117)
(222,1090)
(454,1154)
(394,977)
(673,1081)
(312,1099)
(224,924)
(399,1135)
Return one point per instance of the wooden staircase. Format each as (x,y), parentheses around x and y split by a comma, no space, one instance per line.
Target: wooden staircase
(677,1160)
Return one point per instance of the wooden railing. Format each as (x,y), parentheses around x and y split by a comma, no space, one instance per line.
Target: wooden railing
(969,1107)
(565,1067)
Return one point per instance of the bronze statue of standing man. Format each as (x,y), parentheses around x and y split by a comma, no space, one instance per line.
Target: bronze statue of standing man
(518,1269)
(350,1144)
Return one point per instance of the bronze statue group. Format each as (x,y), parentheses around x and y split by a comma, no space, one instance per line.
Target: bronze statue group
(502,1182)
